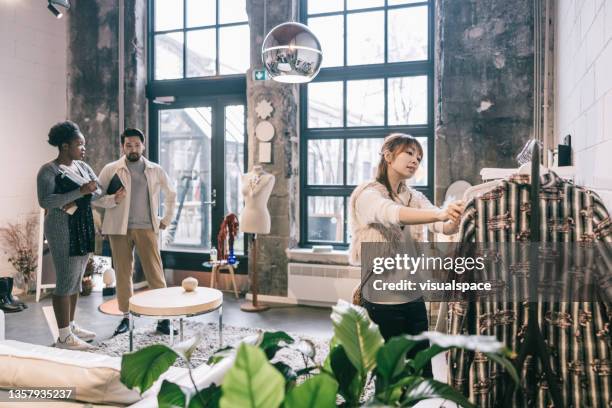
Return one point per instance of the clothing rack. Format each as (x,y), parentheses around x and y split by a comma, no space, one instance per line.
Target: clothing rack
(534,344)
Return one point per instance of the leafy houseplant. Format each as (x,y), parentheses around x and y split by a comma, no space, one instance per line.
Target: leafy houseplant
(358,355)
(19,240)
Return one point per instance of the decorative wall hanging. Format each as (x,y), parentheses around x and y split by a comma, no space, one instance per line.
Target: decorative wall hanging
(264,131)
(264,109)
(265,152)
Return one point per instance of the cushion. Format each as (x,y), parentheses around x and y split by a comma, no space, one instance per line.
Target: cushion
(96,377)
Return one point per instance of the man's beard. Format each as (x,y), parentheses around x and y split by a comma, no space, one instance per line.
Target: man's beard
(133,157)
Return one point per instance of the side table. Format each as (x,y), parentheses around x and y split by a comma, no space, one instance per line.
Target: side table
(175,303)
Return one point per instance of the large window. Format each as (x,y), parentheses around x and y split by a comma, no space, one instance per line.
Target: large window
(199,38)
(376,78)
(198,54)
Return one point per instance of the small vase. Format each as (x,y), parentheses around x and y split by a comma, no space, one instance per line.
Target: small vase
(231,259)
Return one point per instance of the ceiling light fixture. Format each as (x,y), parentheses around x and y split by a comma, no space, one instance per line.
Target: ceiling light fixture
(291,53)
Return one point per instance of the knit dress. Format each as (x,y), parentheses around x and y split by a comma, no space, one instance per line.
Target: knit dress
(68,269)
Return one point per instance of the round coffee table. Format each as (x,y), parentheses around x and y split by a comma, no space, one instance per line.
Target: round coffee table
(175,303)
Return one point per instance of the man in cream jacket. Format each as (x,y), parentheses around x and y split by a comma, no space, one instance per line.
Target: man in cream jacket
(131,219)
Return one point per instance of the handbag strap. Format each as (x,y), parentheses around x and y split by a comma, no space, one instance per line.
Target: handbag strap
(367,278)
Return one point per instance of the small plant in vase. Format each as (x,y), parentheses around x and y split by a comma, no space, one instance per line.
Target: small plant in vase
(19,241)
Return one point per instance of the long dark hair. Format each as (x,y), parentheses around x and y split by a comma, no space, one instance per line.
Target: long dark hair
(394,143)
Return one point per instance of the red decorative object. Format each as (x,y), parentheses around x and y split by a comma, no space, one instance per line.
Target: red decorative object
(228,231)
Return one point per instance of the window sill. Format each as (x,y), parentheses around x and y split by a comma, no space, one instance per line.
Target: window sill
(306,255)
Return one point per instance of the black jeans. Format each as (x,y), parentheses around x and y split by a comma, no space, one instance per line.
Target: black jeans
(400,319)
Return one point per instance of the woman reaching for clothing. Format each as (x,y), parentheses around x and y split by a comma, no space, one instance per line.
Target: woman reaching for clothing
(388,210)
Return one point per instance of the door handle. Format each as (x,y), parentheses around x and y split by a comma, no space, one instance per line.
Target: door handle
(213,194)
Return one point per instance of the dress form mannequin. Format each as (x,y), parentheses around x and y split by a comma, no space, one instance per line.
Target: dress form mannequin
(257,186)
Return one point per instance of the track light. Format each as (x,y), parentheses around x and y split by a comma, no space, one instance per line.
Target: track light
(54,10)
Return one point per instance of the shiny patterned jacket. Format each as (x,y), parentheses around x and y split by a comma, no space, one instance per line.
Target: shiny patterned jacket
(577,332)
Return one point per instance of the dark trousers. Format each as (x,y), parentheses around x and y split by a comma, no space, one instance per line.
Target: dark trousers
(400,319)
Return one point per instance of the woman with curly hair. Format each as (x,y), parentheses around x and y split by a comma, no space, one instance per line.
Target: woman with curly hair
(69,227)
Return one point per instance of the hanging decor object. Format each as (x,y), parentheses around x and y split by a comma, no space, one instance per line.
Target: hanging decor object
(291,53)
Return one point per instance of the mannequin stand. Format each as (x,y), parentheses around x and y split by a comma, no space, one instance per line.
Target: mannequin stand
(254,306)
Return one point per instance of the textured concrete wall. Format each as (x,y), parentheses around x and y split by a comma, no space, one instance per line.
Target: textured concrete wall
(93,77)
(135,73)
(284,201)
(93,73)
(484,81)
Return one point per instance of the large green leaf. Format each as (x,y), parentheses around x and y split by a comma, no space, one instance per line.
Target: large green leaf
(424,356)
(419,389)
(143,367)
(270,342)
(358,335)
(316,392)
(348,378)
(221,354)
(252,382)
(391,358)
(390,364)
(207,398)
(170,395)
(288,373)
(507,364)
(333,343)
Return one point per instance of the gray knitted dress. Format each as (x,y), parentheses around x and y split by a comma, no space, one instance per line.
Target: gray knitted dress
(68,269)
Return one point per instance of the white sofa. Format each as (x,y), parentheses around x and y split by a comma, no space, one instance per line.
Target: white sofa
(95,376)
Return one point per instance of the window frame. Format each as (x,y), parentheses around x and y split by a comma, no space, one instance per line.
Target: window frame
(193,92)
(151,33)
(356,72)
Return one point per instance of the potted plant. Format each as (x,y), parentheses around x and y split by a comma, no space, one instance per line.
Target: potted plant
(358,357)
(20,243)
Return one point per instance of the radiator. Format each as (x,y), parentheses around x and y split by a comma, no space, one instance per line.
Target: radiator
(321,284)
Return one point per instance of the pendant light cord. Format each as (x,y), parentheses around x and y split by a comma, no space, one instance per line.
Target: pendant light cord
(265,18)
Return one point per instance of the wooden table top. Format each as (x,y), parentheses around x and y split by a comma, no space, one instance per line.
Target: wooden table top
(175,301)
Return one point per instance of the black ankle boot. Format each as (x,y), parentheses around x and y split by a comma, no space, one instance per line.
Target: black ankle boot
(5,303)
(10,295)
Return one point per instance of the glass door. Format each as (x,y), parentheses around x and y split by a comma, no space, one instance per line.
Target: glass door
(202,147)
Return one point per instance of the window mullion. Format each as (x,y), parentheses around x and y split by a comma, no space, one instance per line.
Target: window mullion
(184,39)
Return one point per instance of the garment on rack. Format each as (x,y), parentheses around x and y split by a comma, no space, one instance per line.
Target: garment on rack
(577,333)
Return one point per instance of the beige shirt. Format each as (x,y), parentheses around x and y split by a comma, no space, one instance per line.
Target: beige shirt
(116,215)
(374,216)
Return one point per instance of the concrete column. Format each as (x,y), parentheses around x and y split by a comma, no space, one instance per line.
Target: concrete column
(93,73)
(284,202)
(484,86)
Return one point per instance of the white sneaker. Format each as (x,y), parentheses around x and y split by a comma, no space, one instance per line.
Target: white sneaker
(81,333)
(72,342)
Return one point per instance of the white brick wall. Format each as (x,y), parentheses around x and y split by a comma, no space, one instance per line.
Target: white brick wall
(32,98)
(583,89)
